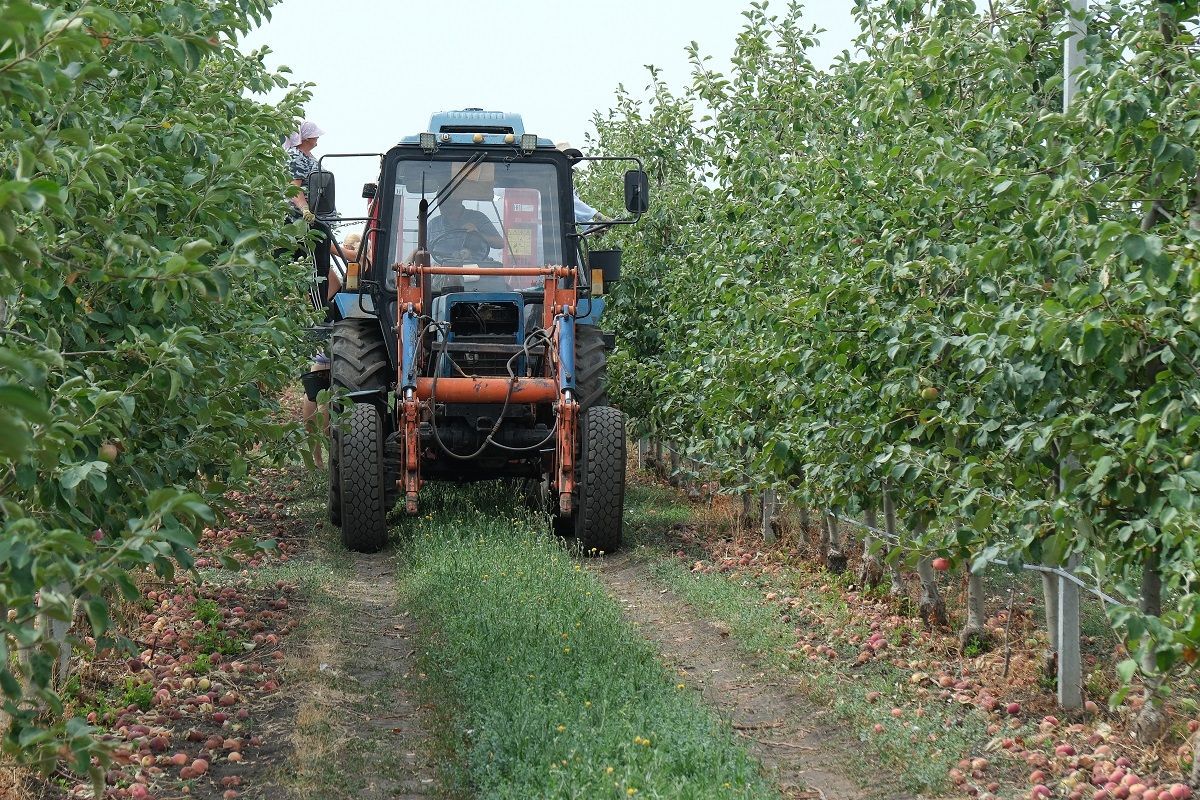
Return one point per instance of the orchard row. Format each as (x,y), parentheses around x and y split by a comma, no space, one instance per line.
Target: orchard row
(911,279)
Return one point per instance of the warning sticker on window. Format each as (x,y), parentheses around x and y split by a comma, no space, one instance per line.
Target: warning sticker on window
(520,241)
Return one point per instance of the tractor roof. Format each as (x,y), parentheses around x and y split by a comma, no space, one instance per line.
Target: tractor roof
(462,126)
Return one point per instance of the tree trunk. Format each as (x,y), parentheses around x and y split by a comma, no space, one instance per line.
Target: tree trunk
(889,527)
(1050,599)
(871,574)
(658,459)
(1151,723)
(931,607)
(835,557)
(675,478)
(974,635)
(1196,760)
(747,510)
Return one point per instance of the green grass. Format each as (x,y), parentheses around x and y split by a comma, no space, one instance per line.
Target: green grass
(137,694)
(554,695)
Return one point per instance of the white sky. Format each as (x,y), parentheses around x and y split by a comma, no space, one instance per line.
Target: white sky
(381,67)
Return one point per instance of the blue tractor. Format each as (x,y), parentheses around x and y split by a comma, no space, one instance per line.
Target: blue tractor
(467,344)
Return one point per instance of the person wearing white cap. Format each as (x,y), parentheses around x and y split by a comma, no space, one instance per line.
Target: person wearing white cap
(301,164)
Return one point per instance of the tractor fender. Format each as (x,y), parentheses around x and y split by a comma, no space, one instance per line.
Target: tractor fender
(376,396)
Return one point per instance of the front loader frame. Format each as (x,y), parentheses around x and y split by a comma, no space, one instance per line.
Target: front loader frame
(556,388)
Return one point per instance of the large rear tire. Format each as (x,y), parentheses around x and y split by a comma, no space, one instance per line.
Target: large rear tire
(591,368)
(358,362)
(364,476)
(358,355)
(335,480)
(601,480)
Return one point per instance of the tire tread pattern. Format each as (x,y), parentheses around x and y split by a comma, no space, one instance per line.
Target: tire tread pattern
(591,367)
(358,361)
(363,478)
(601,491)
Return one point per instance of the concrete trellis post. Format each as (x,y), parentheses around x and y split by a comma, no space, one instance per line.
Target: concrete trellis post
(1066,637)
(768,516)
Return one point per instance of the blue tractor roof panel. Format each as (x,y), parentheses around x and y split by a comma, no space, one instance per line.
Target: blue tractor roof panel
(460,127)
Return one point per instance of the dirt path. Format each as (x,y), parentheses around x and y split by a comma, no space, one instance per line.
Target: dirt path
(777,725)
(359,731)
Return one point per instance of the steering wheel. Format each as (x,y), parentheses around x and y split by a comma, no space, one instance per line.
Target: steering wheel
(471,245)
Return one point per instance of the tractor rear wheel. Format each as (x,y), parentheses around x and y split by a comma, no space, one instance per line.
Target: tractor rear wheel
(363,478)
(358,362)
(335,480)
(591,367)
(358,355)
(601,480)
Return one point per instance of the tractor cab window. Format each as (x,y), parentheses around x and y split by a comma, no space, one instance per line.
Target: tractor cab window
(485,213)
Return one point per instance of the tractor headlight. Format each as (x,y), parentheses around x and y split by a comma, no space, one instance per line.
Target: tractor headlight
(428,142)
(528,142)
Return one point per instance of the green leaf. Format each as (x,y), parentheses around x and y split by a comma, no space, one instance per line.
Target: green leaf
(1135,246)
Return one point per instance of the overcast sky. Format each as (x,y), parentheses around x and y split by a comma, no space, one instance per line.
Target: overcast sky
(381,67)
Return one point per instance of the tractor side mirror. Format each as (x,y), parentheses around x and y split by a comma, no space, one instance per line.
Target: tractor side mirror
(370,190)
(321,193)
(637,192)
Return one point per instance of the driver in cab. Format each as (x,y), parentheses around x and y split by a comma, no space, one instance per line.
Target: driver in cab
(463,230)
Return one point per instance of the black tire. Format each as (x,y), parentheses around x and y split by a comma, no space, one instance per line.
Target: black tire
(601,480)
(358,362)
(364,477)
(358,355)
(591,368)
(335,480)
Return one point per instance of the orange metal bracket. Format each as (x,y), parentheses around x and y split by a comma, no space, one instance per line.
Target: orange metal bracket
(412,453)
(567,414)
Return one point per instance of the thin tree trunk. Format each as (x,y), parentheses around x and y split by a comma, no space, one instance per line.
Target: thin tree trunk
(835,557)
(823,538)
(974,633)
(1196,759)
(1151,722)
(889,526)
(932,609)
(930,605)
(674,479)
(1050,599)
(871,574)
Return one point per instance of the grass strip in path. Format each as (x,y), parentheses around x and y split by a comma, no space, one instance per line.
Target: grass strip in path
(555,695)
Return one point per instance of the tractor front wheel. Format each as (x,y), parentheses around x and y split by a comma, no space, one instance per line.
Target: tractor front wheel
(601,480)
(362,475)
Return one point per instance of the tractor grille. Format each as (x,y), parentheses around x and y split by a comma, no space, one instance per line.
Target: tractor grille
(473,355)
(493,319)
(483,336)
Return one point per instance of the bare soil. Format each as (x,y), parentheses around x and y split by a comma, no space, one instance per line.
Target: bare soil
(359,728)
(794,740)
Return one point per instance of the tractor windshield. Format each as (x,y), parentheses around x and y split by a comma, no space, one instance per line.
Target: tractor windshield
(485,213)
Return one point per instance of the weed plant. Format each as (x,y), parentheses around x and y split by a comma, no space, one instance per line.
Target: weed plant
(555,695)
